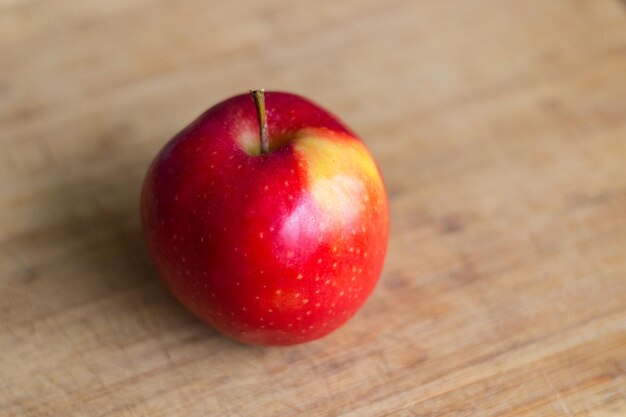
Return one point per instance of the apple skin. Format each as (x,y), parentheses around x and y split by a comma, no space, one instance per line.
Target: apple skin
(272,249)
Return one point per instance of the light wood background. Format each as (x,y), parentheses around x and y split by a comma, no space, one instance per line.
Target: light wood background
(500,128)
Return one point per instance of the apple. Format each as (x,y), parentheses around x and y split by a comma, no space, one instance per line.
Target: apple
(267,218)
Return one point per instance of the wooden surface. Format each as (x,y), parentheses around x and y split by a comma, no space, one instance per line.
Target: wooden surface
(500,128)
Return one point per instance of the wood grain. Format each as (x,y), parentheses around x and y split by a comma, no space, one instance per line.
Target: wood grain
(500,128)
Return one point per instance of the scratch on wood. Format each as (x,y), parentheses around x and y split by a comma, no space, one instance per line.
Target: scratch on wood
(560,399)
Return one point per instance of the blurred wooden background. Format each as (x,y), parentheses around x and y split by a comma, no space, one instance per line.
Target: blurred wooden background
(500,128)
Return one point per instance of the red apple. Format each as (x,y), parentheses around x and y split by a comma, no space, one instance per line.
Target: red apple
(268,222)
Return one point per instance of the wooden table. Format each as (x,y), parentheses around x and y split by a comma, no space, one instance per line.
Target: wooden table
(500,128)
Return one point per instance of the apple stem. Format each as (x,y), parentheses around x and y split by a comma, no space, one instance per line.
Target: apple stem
(259,101)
